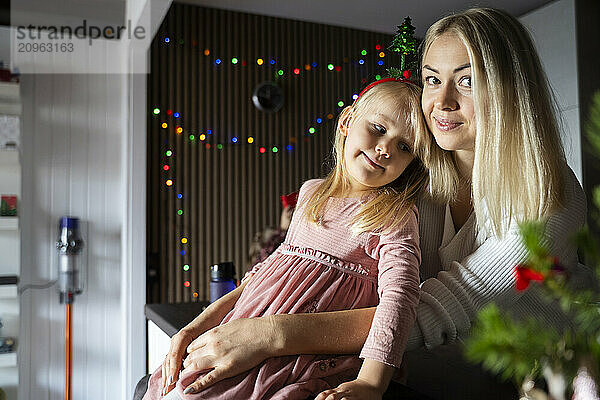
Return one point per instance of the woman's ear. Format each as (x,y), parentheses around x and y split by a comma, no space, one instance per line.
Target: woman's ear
(345,120)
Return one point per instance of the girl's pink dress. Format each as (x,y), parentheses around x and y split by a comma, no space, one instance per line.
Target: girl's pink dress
(324,268)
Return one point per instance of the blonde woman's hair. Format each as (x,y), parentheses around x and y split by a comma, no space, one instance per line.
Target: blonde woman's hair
(519,157)
(388,208)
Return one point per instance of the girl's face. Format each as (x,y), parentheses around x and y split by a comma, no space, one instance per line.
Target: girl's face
(377,149)
(447,99)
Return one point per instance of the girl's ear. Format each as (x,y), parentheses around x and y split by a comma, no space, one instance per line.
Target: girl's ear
(345,119)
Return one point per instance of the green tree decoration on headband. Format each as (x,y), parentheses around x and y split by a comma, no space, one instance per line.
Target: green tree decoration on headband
(404,43)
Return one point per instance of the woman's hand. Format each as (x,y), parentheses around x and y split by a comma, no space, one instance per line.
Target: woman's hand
(174,359)
(357,389)
(230,349)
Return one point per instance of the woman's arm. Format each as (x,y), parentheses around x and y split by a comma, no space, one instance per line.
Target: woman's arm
(207,319)
(215,312)
(239,345)
(451,300)
(337,332)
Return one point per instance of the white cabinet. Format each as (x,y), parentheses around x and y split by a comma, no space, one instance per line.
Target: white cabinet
(10,241)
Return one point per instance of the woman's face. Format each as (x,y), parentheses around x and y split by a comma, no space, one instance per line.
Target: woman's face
(448,95)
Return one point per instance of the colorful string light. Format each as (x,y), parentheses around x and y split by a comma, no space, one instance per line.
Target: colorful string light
(279,72)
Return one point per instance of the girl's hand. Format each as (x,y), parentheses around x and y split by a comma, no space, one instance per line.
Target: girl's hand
(174,359)
(228,350)
(357,389)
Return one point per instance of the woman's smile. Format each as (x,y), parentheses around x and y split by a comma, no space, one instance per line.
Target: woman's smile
(444,124)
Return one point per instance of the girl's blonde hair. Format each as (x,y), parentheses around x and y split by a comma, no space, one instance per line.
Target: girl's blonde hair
(518,152)
(388,208)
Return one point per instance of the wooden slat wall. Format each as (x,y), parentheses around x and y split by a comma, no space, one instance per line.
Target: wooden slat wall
(233,192)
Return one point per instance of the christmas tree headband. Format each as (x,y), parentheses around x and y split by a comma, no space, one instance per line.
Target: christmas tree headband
(404,43)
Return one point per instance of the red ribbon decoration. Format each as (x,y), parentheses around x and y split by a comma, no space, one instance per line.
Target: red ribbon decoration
(525,275)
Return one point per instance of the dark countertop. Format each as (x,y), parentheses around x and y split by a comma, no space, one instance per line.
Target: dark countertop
(172,317)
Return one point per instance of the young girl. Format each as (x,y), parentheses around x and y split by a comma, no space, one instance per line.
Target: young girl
(352,243)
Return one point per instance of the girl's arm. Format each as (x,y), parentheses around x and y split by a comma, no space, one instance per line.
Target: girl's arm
(371,383)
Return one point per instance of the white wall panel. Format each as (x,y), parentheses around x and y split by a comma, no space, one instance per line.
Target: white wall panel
(72,134)
(553,30)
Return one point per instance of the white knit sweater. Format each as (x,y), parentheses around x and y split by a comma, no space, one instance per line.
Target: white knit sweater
(463,271)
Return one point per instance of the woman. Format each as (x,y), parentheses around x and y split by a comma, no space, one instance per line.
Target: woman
(486,99)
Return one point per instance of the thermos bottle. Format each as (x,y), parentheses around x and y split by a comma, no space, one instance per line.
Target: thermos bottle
(221,280)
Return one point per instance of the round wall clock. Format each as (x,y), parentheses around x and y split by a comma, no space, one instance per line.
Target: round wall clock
(268,97)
